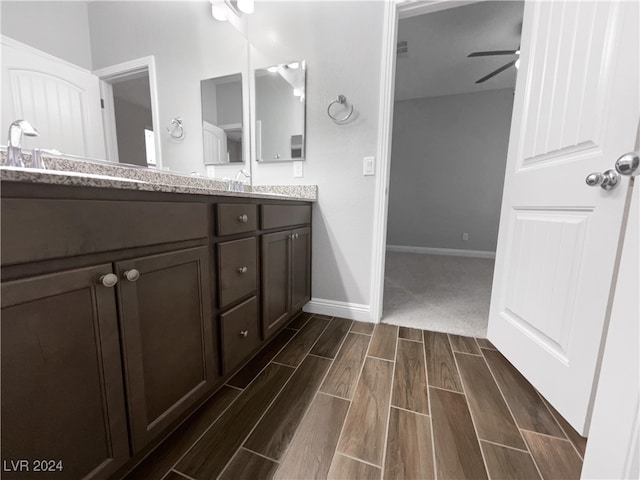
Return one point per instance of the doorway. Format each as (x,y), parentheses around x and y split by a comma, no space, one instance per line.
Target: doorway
(452,116)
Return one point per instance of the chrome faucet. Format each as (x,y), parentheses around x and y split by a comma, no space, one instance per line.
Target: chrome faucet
(237,185)
(14,143)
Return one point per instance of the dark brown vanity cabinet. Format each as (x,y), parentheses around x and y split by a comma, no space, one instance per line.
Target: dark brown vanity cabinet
(62,389)
(286,276)
(165,323)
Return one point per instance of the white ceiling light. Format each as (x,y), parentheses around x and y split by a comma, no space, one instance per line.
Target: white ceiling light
(246,6)
(219,10)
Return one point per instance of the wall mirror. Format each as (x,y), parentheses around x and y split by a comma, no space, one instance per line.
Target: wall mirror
(280,109)
(127,77)
(222,124)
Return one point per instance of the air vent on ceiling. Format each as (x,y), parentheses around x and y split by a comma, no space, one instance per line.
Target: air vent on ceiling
(403,49)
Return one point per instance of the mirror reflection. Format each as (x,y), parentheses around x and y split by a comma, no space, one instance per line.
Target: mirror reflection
(120,81)
(222,119)
(280,107)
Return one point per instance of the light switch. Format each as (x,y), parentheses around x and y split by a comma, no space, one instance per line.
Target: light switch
(369,166)
(297,170)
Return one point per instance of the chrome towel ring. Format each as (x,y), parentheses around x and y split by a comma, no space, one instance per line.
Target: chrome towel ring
(176,130)
(340,99)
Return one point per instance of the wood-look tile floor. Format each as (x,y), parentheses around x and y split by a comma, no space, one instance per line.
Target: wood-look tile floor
(332,398)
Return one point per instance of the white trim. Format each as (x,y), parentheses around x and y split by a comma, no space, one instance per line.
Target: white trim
(332,308)
(10,42)
(383,151)
(453,252)
(413,8)
(124,69)
(109,121)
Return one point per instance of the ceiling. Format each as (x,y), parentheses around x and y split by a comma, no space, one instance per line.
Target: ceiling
(439,43)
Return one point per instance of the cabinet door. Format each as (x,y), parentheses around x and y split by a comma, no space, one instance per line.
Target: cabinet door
(166,325)
(62,393)
(300,268)
(276,291)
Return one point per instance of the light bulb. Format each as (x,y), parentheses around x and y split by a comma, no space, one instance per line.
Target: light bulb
(273,69)
(218,11)
(517,64)
(293,65)
(246,6)
(297,92)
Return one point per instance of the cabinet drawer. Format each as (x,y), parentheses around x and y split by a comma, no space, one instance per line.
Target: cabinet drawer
(39,229)
(277,216)
(239,333)
(236,270)
(235,218)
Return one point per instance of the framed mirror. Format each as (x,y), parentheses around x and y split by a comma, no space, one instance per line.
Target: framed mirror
(280,111)
(222,120)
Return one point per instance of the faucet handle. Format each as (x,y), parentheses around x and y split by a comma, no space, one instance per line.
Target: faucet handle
(36,159)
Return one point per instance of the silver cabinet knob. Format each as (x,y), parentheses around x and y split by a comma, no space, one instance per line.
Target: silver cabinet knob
(109,280)
(131,275)
(243,218)
(244,333)
(296,237)
(242,270)
(628,164)
(607,180)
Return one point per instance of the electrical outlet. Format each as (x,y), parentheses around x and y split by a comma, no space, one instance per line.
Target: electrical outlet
(297,169)
(369,166)
(465,236)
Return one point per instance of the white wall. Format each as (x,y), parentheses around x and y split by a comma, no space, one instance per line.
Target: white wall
(447,170)
(189,46)
(341,42)
(58,28)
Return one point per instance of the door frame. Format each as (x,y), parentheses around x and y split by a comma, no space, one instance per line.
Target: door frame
(121,71)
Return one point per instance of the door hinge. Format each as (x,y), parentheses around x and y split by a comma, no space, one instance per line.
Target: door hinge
(102,103)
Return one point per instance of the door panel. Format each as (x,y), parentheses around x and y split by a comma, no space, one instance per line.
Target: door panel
(62,392)
(61,100)
(276,300)
(167,336)
(575,112)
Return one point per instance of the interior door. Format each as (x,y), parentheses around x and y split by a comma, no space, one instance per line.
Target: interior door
(215,144)
(575,112)
(61,100)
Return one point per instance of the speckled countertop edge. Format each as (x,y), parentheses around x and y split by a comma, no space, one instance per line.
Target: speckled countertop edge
(71,172)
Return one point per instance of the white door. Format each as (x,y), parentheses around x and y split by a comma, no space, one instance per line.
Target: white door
(61,100)
(215,144)
(575,112)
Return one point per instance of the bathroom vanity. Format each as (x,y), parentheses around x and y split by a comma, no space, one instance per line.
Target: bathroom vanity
(133,307)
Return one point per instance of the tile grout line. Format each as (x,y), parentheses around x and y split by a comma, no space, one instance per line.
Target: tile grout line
(256,453)
(393,380)
(446,389)
(380,358)
(466,399)
(315,396)
(410,411)
(334,396)
(504,398)
(362,461)
(546,435)
(234,387)
(503,445)
(180,474)
(364,360)
(360,333)
(544,401)
(433,439)
(275,398)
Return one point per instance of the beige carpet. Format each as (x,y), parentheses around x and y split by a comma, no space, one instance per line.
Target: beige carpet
(438,293)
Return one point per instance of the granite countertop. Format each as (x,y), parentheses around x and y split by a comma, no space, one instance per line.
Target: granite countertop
(65,171)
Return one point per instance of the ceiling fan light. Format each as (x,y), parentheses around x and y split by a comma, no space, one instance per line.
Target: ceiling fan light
(517,64)
(246,6)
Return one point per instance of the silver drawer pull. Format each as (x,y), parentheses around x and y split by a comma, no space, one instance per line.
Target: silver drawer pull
(244,333)
(109,280)
(131,275)
(243,218)
(242,270)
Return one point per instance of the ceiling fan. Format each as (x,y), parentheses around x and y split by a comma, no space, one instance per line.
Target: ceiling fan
(513,63)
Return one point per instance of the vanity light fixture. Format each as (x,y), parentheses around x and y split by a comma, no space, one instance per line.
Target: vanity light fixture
(273,69)
(293,65)
(297,92)
(246,6)
(219,10)
(517,64)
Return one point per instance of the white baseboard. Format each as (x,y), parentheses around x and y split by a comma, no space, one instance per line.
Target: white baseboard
(441,251)
(350,311)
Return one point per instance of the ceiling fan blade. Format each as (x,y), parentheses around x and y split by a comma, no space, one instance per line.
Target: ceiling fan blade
(491,53)
(496,72)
